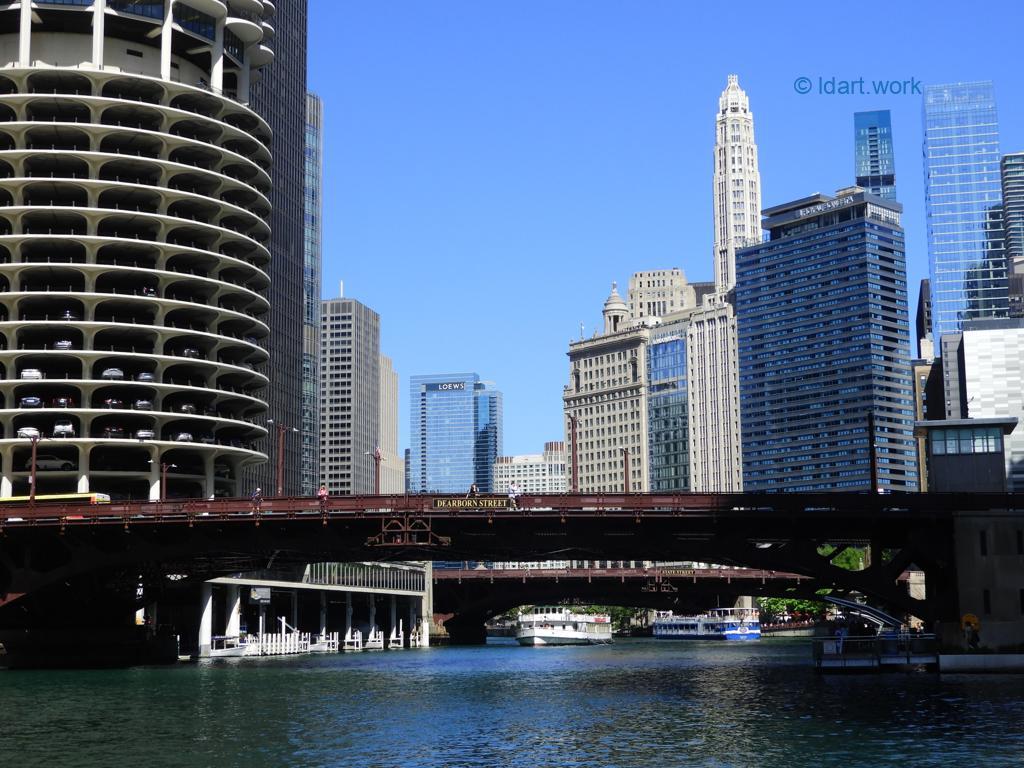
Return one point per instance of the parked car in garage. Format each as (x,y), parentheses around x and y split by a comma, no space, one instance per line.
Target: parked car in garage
(145,376)
(30,401)
(113,402)
(112,374)
(63,428)
(113,433)
(144,434)
(143,405)
(28,433)
(64,344)
(62,401)
(50,462)
(31,373)
(183,437)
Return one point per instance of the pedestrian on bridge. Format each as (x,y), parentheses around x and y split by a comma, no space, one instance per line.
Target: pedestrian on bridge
(473,491)
(321,495)
(257,500)
(513,495)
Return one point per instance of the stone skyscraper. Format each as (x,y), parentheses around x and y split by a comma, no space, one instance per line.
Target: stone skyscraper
(715,447)
(737,183)
(350,384)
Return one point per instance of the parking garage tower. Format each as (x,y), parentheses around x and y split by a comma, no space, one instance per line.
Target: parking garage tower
(135,190)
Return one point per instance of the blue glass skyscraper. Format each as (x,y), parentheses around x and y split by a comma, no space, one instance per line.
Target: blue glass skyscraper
(668,412)
(824,341)
(873,153)
(455,432)
(966,258)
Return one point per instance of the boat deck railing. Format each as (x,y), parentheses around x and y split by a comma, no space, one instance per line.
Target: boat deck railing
(874,651)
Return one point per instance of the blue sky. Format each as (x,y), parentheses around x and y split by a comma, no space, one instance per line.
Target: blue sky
(491,167)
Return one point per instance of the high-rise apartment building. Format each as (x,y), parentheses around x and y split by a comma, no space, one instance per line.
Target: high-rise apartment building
(1012,176)
(874,158)
(824,344)
(737,182)
(455,432)
(605,404)
(350,390)
(963,199)
(279,96)
(533,472)
(309,437)
(392,464)
(133,246)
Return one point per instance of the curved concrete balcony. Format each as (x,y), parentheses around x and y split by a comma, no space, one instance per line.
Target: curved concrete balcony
(182,100)
(247,30)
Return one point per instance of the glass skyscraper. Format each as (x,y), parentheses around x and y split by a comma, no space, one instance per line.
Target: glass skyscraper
(455,432)
(1013,210)
(668,412)
(966,257)
(824,341)
(873,153)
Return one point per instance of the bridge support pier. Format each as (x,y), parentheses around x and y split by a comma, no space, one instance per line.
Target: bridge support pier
(205,620)
(348,612)
(466,630)
(234,621)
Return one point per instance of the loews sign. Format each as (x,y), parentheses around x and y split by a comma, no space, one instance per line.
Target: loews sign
(446,386)
(472,503)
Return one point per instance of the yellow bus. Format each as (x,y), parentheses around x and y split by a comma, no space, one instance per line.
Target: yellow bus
(67,498)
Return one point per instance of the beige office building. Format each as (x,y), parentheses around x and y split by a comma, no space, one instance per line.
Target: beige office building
(392,465)
(533,472)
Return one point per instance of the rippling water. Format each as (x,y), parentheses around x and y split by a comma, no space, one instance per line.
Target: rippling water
(633,704)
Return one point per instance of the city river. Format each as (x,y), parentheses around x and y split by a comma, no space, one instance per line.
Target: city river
(634,704)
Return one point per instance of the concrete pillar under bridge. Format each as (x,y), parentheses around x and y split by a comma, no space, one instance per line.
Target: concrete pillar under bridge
(988,585)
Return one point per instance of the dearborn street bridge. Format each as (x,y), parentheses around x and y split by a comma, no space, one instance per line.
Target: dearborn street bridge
(69,569)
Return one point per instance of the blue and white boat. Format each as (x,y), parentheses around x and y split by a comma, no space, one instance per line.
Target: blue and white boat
(716,624)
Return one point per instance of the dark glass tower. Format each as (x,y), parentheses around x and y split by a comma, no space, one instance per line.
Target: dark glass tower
(873,153)
(824,341)
(1013,209)
(966,257)
(309,435)
(280,98)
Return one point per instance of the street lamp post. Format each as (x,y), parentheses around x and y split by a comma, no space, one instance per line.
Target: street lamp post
(281,431)
(164,466)
(32,471)
(377,458)
(573,423)
(625,469)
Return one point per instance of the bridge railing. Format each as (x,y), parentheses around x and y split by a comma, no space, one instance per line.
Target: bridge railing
(562,507)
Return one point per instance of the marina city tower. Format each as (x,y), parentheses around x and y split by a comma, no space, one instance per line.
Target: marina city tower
(133,245)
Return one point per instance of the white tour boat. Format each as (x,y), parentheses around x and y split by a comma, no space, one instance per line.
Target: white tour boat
(716,624)
(559,626)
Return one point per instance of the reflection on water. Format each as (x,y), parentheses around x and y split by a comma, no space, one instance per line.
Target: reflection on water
(633,704)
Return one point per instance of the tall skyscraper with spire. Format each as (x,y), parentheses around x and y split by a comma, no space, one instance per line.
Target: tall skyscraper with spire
(715,442)
(737,183)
